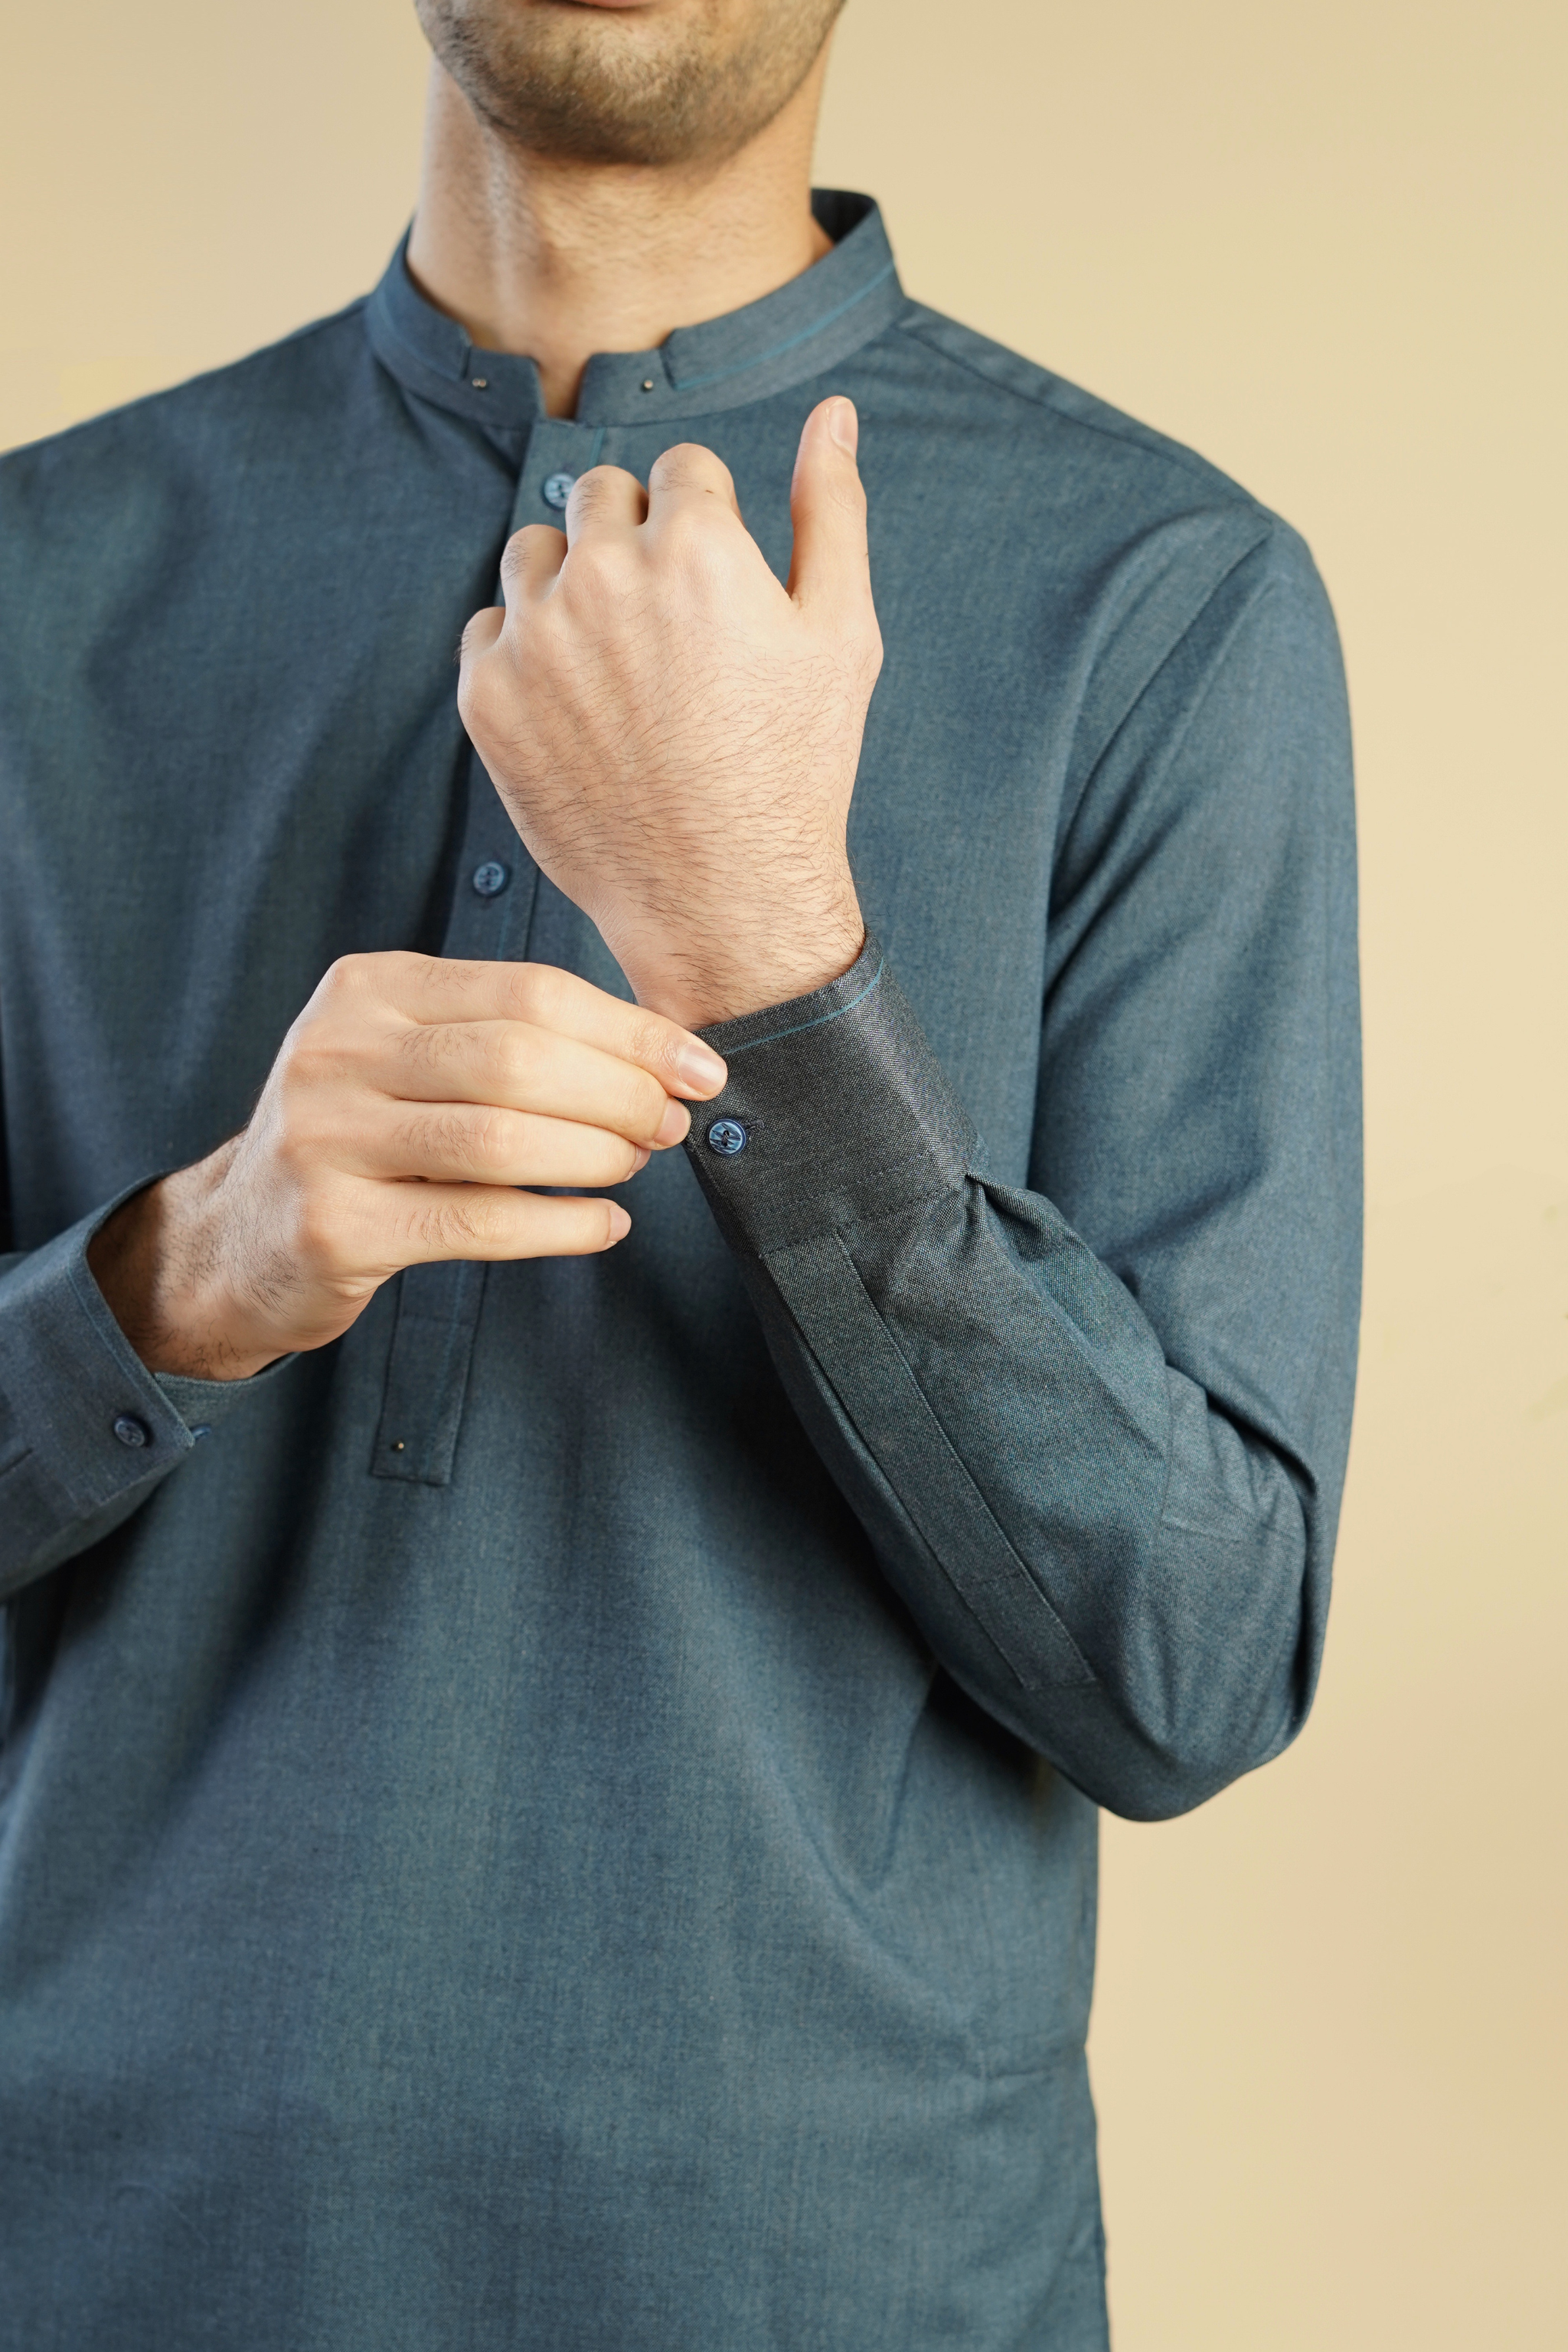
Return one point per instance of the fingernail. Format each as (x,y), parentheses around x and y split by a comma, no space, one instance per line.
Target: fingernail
(672,1128)
(620,1224)
(845,425)
(700,1068)
(640,1162)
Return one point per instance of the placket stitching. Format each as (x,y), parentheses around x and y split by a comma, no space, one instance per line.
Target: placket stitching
(439,1306)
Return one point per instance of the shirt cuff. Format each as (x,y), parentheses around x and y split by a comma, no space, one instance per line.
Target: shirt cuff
(835,1113)
(87,1430)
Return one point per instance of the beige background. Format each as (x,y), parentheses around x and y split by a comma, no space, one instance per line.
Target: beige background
(1326,245)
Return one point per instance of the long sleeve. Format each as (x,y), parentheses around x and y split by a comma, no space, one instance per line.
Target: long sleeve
(87,1432)
(1095,1426)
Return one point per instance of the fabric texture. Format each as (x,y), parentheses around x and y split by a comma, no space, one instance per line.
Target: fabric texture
(567,1818)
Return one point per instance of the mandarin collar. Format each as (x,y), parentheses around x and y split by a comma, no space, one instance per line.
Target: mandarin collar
(811,323)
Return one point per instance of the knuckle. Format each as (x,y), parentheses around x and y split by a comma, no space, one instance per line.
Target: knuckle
(302,1069)
(366,975)
(538,993)
(490,1140)
(478,634)
(514,1060)
(451,1223)
(435,1225)
(604,493)
(617,1155)
(513,559)
(480,1217)
(311,1057)
(422,1045)
(413,1137)
(645,1105)
(391,964)
(655,1045)
(590,489)
(689,462)
(479,694)
(343,977)
(445,1139)
(438,1136)
(607,477)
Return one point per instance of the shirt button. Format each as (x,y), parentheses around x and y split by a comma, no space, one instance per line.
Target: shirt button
(727,1135)
(558,488)
(490,877)
(131,1432)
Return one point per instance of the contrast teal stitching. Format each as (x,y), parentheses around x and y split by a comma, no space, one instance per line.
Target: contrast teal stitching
(776,351)
(774,1035)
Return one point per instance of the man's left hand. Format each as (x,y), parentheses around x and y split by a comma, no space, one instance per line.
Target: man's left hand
(676,735)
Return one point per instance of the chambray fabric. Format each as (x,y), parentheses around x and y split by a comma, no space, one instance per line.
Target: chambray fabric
(567,1819)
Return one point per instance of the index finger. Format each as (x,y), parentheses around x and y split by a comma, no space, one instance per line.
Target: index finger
(448,988)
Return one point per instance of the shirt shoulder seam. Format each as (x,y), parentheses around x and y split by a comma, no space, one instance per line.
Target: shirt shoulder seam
(185,384)
(915,322)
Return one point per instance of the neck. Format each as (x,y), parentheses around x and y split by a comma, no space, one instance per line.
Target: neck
(558,260)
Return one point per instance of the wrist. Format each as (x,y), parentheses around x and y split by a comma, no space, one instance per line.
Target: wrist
(720,971)
(148,1262)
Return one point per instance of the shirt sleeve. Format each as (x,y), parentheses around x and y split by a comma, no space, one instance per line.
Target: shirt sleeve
(1095,1426)
(87,1432)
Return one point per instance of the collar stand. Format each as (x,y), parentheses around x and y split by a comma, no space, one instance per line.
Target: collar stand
(810,323)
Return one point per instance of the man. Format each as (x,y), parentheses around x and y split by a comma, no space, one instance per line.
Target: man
(553,1746)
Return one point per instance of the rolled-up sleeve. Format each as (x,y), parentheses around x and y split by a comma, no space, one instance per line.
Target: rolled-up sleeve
(1096,1426)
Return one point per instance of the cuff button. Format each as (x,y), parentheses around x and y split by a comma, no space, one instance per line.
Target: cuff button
(129,1431)
(727,1135)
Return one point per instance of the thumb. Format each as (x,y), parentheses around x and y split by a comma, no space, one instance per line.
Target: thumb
(828,507)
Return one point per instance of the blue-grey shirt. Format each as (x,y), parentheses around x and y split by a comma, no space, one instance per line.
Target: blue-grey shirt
(566,1818)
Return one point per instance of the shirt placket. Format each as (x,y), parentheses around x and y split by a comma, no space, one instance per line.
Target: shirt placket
(495,894)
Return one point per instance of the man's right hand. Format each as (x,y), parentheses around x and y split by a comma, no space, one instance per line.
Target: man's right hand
(410,1098)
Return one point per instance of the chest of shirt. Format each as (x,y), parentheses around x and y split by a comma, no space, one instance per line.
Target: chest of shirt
(253,763)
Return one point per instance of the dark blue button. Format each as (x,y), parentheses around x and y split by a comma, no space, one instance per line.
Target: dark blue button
(131,1432)
(727,1135)
(558,488)
(490,877)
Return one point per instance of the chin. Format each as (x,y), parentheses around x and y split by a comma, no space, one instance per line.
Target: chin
(642,82)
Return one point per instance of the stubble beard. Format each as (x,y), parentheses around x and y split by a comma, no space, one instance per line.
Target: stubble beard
(589,86)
